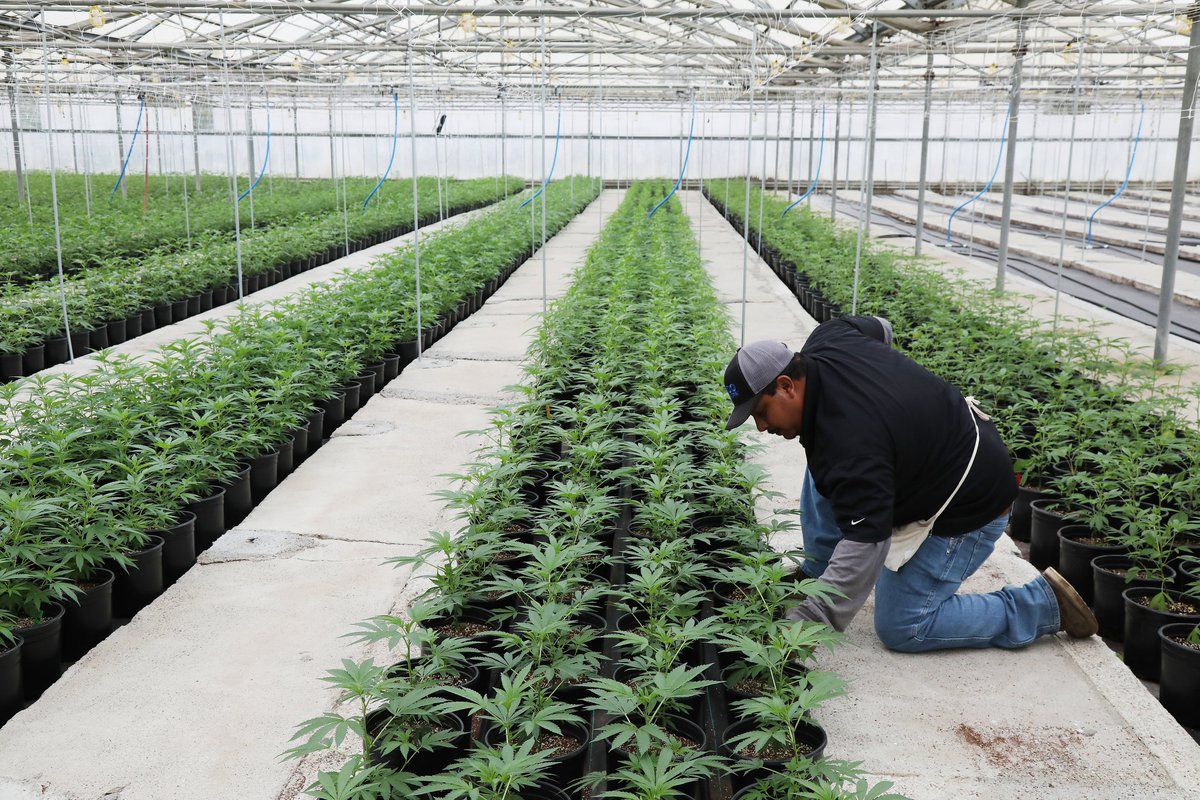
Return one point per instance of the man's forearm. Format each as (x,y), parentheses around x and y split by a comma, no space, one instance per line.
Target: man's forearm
(853,570)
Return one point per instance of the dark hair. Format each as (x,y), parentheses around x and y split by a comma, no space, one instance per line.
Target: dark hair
(795,370)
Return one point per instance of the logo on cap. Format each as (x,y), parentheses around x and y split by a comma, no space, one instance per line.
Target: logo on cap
(733,391)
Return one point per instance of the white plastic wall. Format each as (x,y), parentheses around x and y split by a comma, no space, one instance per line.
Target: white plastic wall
(625,142)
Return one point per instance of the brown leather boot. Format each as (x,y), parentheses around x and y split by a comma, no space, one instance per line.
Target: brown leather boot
(1074,616)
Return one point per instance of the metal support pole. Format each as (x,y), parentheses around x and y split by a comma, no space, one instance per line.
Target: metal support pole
(1183,146)
(545,180)
(812,145)
(762,184)
(16,129)
(778,124)
(791,150)
(746,207)
(504,142)
(296,138)
(1076,90)
(250,157)
(1010,159)
(837,148)
(333,156)
(195,148)
(920,230)
(71,122)
(121,148)
(871,121)
(868,179)
(412,144)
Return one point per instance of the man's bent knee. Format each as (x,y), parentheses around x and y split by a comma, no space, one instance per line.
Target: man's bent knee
(900,638)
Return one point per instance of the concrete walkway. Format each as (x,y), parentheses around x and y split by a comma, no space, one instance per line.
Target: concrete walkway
(1059,719)
(1183,356)
(1104,263)
(198,695)
(195,327)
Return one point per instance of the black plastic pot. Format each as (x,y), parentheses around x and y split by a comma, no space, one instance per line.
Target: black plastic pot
(1108,582)
(380,371)
(210,519)
(391,367)
(56,348)
(1020,518)
(428,763)
(264,475)
(98,338)
(564,768)
(1143,653)
(1075,557)
(1048,515)
(407,350)
(299,445)
(179,310)
(1179,678)
(34,360)
(807,732)
(353,396)
(12,692)
(206,300)
(89,617)
(41,654)
(238,499)
(179,547)
(133,590)
(366,387)
(285,462)
(163,315)
(149,320)
(117,333)
(335,412)
(734,694)
(193,305)
(316,431)
(444,625)
(676,724)
(11,366)
(133,326)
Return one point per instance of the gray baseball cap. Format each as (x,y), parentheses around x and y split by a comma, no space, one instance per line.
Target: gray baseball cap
(752,369)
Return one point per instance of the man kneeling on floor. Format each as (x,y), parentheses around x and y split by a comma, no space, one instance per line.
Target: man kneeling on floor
(908,488)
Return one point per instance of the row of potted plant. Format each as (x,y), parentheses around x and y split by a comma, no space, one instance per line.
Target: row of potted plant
(105,226)
(121,298)
(1103,443)
(136,467)
(606,621)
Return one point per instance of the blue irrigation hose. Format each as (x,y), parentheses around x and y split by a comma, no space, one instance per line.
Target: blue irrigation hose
(395,136)
(266,157)
(999,158)
(817,174)
(553,161)
(137,127)
(1136,138)
(683,169)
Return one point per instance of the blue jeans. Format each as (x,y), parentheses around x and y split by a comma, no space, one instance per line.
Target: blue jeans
(917,608)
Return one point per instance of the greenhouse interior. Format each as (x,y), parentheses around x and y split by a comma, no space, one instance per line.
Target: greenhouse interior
(406,481)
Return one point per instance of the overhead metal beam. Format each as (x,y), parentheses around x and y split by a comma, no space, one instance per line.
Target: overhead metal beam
(286,7)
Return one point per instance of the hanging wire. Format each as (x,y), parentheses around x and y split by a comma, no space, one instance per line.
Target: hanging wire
(129,153)
(817,173)
(392,158)
(1132,156)
(682,169)
(991,180)
(266,158)
(553,161)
